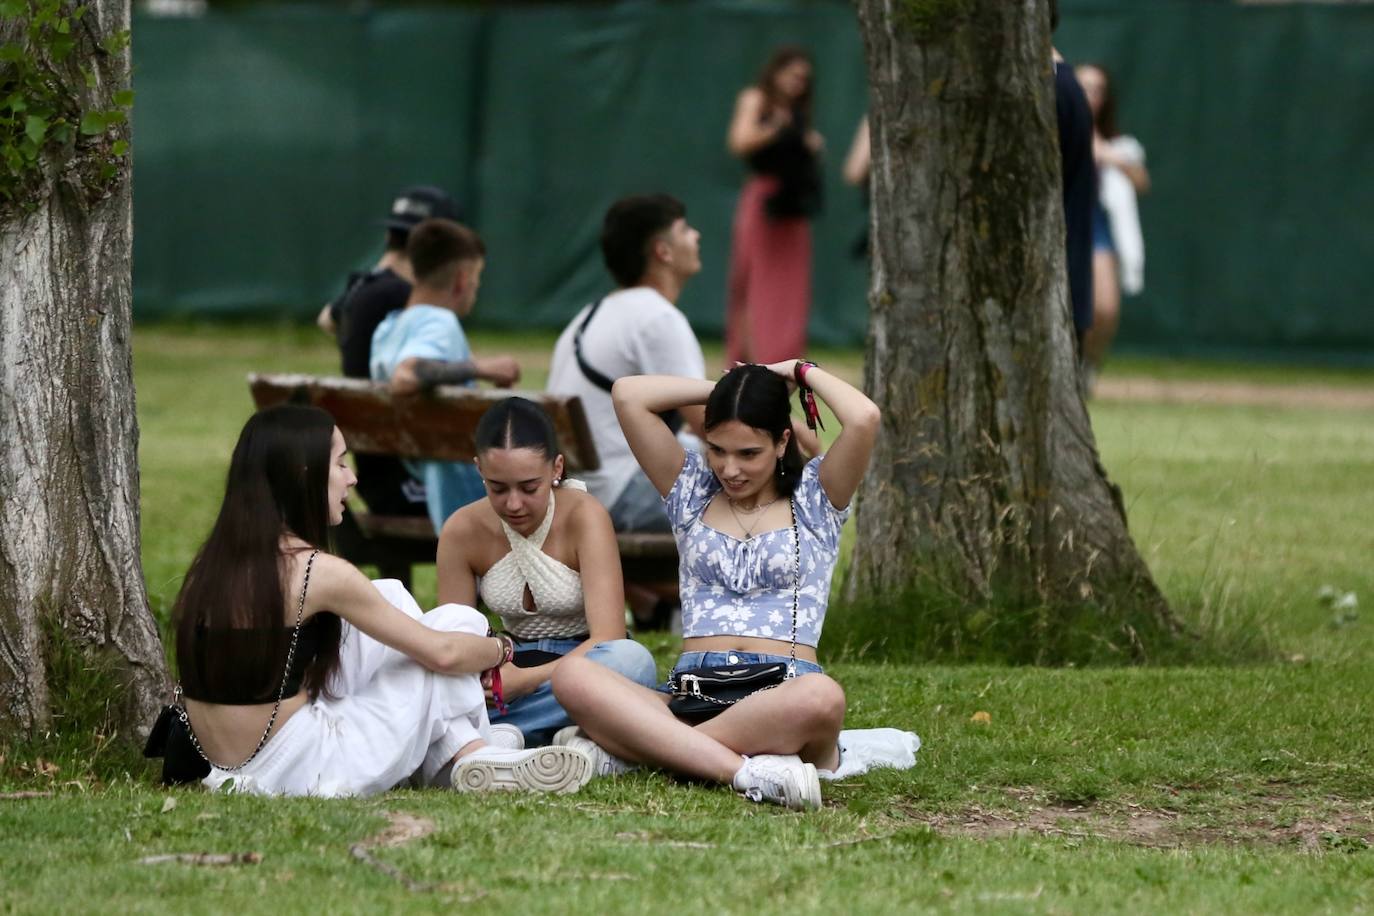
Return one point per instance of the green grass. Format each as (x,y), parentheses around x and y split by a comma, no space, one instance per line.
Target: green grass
(1197,789)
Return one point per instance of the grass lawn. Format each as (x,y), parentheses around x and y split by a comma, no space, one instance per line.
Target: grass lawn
(1089,789)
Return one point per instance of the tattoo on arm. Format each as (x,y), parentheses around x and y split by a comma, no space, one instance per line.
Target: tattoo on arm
(433,372)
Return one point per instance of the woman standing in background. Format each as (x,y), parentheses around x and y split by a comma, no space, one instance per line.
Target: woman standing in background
(769,294)
(1118,246)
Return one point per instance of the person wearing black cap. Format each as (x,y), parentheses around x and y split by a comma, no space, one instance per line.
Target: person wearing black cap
(383,482)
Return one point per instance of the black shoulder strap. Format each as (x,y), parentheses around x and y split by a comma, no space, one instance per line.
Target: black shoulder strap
(596,378)
(672,418)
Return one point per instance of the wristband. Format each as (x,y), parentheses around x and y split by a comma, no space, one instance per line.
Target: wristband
(806,396)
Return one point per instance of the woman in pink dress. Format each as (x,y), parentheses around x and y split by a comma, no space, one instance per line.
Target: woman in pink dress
(769,295)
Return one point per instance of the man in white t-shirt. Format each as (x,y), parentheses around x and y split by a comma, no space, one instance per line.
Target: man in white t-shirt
(651,252)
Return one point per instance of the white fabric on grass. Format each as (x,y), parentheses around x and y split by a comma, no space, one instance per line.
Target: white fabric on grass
(864,749)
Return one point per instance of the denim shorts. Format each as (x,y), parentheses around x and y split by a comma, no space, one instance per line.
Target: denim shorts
(688,660)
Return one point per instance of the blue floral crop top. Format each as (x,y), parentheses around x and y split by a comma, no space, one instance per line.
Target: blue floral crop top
(732,587)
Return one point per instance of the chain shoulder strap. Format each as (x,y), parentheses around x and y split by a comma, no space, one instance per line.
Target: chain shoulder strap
(796,588)
(281,691)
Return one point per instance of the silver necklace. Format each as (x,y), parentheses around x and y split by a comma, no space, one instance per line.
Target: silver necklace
(756,512)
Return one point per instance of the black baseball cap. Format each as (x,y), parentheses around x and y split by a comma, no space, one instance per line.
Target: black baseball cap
(417,204)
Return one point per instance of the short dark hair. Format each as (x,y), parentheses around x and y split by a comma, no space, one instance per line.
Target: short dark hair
(436,248)
(396,239)
(757,397)
(628,229)
(516,423)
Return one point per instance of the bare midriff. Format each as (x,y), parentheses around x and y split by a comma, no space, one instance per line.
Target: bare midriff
(754,644)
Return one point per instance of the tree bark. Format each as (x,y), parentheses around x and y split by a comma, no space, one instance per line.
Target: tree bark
(986,483)
(69,500)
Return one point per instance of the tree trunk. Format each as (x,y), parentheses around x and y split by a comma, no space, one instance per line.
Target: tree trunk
(986,483)
(70,574)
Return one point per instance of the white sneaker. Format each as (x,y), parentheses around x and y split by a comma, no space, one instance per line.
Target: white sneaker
(543,769)
(506,736)
(782,780)
(604,763)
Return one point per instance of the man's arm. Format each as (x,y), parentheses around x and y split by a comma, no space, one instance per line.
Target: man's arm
(417,374)
(325,320)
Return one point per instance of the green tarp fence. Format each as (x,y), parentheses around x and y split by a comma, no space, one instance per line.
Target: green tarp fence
(269,141)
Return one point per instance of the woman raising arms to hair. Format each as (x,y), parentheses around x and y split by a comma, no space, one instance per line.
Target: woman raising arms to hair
(758,532)
(542,554)
(301,677)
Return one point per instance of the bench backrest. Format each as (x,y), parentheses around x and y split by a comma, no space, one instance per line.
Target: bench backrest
(437,425)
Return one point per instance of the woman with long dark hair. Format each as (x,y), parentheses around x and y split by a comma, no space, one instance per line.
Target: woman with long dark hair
(758,531)
(769,290)
(300,676)
(542,554)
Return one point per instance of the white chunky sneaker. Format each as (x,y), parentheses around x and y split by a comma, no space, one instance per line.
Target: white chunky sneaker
(565,734)
(782,780)
(543,769)
(604,763)
(506,736)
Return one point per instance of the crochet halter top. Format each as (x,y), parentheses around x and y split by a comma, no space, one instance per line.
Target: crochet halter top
(560,610)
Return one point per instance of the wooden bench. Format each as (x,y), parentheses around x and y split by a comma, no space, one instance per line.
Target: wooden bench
(438,426)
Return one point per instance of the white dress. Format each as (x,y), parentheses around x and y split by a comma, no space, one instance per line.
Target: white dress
(388,718)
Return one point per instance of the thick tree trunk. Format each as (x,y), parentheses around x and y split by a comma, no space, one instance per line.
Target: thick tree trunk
(986,482)
(69,514)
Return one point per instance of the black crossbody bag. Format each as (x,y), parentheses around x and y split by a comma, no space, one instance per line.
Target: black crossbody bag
(704,693)
(671,417)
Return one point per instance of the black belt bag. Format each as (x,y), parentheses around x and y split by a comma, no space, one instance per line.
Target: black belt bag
(703,693)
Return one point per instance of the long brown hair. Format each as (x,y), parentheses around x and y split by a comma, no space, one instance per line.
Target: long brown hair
(278,483)
(780,58)
(1105,119)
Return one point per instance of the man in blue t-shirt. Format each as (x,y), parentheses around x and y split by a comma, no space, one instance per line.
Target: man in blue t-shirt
(423,345)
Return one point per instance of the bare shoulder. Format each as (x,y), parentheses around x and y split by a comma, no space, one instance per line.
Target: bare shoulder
(751,96)
(473,519)
(581,508)
(334,582)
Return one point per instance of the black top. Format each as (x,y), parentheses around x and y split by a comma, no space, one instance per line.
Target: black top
(358,312)
(252,644)
(789,158)
(1080,190)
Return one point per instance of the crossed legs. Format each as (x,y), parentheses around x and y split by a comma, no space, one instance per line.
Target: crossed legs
(801,716)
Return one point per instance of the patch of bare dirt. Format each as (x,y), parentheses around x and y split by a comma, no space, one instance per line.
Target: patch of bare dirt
(1316,825)
(1166,391)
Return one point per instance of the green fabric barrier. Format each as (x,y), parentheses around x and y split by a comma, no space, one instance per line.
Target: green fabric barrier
(269,141)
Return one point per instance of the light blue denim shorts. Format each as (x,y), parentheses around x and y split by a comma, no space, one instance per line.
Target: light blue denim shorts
(688,660)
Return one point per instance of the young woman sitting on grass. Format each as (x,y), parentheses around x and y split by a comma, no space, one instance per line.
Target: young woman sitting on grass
(744,513)
(542,554)
(302,677)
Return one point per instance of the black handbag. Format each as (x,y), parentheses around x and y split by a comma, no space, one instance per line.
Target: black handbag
(171,739)
(700,694)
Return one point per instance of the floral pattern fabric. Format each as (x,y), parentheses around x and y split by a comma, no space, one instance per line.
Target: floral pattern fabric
(733,587)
